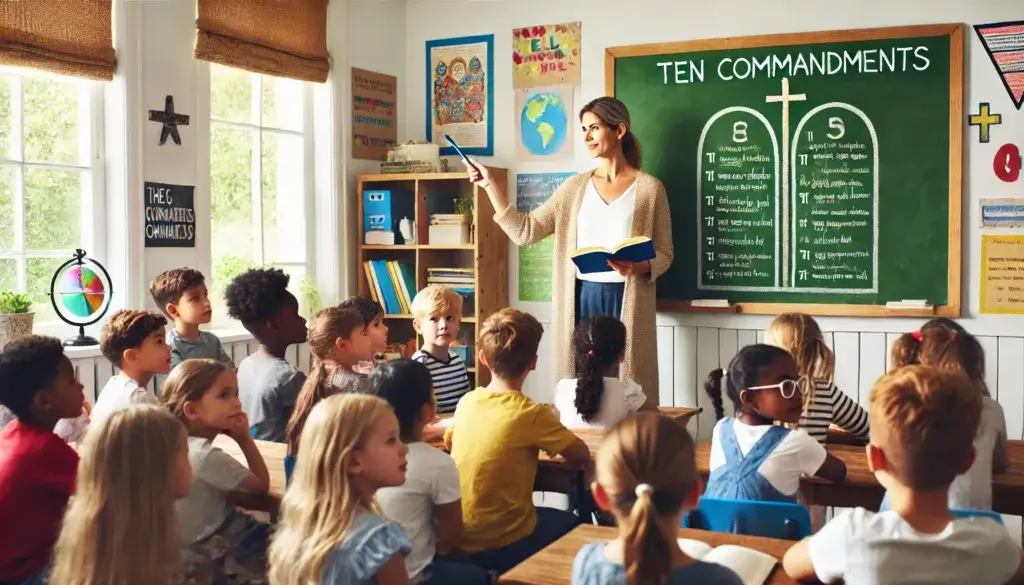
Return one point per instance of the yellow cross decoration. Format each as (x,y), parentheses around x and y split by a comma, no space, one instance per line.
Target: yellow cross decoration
(984,120)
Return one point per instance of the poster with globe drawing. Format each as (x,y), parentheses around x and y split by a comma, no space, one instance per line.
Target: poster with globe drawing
(543,123)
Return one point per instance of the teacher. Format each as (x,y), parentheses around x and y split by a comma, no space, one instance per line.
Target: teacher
(601,207)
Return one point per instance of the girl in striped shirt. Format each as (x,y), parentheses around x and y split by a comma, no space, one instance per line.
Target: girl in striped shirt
(799,334)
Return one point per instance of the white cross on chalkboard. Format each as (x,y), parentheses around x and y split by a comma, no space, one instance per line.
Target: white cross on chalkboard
(785,98)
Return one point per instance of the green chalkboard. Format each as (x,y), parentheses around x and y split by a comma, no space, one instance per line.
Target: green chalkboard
(807,169)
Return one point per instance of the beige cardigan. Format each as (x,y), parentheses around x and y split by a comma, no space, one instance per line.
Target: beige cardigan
(557,216)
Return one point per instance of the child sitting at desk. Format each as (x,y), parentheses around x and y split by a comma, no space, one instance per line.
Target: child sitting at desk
(596,398)
(948,349)
(752,458)
(922,423)
(429,504)
(495,439)
(799,334)
(647,478)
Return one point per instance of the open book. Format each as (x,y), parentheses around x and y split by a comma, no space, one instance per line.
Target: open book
(595,259)
(753,566)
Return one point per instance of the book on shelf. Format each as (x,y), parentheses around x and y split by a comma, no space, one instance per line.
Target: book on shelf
(451,219)
(455,278)
(753,566)
(392,284)
(594,259)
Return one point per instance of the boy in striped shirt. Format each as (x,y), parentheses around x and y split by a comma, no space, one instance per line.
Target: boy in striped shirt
(437,313)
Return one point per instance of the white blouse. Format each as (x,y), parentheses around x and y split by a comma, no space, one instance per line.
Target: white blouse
(604,225)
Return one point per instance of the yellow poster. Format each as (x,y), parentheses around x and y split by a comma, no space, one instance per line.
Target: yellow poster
(546,55)
(1002,274)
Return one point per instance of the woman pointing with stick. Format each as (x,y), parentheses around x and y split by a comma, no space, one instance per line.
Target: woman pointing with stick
(601,208)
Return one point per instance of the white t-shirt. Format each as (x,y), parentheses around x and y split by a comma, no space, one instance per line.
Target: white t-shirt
(973,490)
(214,473)
(604,225)
(430,479)
(798,454)
(119,392)
(869,548)
(620,399)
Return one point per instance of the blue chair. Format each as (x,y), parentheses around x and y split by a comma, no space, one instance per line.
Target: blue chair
(982,513)
(752,518)
(289,467)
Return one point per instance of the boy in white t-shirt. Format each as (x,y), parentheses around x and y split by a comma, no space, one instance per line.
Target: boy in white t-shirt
(923,421)
(429,504)
(135,342)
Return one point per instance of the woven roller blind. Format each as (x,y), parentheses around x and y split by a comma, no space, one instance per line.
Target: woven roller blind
(284,38)
(70,37)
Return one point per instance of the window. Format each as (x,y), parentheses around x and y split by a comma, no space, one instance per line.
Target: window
(260,177)
(51,183)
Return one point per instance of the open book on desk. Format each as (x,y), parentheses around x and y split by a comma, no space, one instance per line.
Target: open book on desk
(595,258)
(753,566)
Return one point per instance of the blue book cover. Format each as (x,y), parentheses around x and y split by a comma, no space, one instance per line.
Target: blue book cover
(595,259)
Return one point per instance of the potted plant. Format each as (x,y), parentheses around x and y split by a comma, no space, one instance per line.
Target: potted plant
(15,318)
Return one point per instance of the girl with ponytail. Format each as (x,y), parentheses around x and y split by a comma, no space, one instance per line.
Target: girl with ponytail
(646,478)
(340,339)
(596,398)
(945,345)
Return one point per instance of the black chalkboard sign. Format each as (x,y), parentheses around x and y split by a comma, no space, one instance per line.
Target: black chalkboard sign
(170,213)
(818,172)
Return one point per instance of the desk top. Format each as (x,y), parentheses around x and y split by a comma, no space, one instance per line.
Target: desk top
(553,565)
(858,474)
(273,456)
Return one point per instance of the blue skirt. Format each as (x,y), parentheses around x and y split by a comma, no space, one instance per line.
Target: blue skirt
(598,299)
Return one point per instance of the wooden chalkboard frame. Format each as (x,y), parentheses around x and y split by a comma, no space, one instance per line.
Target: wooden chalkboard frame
(955,32)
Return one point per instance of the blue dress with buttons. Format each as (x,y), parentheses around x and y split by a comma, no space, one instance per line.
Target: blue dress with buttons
(738,478)
(370,542)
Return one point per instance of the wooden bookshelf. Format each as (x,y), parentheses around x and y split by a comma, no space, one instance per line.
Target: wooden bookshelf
(487,255)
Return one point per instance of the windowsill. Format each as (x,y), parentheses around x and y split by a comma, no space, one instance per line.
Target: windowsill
(226,334)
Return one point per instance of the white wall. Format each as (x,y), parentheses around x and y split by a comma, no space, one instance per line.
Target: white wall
(610,23)
(155,42)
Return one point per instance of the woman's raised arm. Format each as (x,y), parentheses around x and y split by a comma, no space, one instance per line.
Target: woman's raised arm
(523,228)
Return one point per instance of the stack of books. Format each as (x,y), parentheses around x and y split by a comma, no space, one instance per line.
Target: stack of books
(458,279)
(449,229)
(392,284)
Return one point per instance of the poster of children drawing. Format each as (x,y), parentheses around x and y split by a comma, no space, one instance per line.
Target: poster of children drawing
(461,90)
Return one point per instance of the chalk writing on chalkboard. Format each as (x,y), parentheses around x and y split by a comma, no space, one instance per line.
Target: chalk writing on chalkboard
(799,216)
(535,260)
(170,216)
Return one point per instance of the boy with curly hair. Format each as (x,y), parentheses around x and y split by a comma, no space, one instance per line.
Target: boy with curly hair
(923,422)
(182,295)
(37,468)
(268,384)
(135,342)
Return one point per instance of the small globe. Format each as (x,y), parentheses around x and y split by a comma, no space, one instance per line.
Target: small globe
(82,292)
(543,124)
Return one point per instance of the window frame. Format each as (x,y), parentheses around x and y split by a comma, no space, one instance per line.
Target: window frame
(257,130)
(94,191)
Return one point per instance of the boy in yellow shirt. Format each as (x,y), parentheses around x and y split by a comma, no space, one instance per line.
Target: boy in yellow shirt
(495,439)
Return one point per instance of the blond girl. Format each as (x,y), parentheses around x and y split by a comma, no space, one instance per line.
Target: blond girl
(120,528)
(826,405)
(331,529)
(646,478)
(222,544)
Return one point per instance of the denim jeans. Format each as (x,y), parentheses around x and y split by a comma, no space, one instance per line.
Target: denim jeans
(552,524)
(447,572)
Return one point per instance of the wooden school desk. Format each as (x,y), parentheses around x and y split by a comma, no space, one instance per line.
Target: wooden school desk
(553,565)
(860,488)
